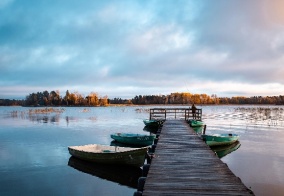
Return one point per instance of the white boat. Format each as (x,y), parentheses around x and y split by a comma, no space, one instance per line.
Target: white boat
(110,154)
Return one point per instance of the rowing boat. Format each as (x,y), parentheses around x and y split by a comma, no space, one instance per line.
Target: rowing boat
(110,154)
(196,123)
(220,139)
(153,123)
(134,139)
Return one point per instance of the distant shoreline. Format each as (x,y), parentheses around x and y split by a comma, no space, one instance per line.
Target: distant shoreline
(137,105)
(54,99)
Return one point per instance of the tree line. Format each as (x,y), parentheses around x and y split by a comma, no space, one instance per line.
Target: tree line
(54,98)
(188,98)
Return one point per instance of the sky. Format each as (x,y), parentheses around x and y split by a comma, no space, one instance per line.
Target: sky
(140,47)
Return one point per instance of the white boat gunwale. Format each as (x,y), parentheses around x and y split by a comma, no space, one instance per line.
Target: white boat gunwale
(109,149)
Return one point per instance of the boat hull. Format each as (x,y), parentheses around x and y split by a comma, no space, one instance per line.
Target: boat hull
(134,139)
(222,151)
(110,154)
(196,123)
(152,123)
(220,139)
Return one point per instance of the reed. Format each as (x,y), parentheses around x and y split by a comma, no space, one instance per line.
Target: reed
(46,111)
(142,110)
(271,116)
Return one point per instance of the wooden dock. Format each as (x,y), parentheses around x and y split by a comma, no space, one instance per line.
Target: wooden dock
(175,113)
(185,165)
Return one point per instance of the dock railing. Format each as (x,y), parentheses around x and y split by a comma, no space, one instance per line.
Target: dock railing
(175,113)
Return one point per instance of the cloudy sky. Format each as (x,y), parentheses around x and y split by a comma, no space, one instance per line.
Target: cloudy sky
(126,48)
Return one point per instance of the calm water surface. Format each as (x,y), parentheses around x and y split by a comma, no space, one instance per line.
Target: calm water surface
(35,159)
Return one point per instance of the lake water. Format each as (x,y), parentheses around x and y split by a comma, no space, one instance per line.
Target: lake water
(35,159)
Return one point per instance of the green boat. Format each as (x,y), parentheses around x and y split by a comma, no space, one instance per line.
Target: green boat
(222,151)
(134,139)
(110,154)
(152,123)
(196,123)
(220,139)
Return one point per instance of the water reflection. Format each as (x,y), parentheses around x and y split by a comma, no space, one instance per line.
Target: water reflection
(151,129)
(123,175)
(222,151)
(44,115)
(261,146)
(51,115)
(44,118)
(198,130)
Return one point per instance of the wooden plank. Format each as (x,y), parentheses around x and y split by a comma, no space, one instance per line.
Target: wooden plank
(185,165)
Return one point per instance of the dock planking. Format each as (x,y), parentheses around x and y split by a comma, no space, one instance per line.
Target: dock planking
(185,165)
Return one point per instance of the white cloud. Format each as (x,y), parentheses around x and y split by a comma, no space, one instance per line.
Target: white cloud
(207,57)
(103,72)
(160,39)
(143,47)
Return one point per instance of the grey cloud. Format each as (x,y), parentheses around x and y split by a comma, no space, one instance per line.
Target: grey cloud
(138,45)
